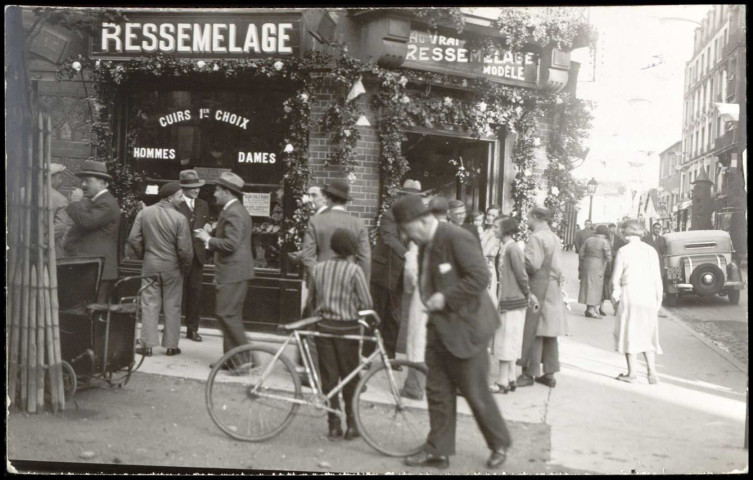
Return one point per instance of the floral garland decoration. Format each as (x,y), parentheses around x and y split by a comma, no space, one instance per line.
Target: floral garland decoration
(109,75)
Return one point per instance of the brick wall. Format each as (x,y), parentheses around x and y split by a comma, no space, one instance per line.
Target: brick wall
(365,189)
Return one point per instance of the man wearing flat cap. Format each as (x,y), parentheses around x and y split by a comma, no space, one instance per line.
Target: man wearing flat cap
(58,202)
(95,217)
(542,327)
(196,211)
(453,279)
(233,260)
(388,263)
(316,240)
(161,236)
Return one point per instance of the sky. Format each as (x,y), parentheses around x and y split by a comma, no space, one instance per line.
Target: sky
(638,110)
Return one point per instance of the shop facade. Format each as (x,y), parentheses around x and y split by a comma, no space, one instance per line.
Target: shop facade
(213,117)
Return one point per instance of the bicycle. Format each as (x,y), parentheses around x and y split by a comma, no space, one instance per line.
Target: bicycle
(260,391)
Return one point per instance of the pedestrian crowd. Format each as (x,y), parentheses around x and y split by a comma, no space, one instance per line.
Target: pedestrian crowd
(452,290)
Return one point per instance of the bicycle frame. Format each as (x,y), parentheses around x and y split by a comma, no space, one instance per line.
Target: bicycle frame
(300,338)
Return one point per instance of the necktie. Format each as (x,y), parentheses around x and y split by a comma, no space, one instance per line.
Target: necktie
(190,204)
(425,273)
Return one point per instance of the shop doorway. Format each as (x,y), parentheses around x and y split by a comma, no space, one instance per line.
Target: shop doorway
(435,161)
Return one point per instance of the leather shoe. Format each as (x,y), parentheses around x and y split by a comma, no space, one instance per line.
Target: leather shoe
(147,352)
(424,459)
(335,432)
(172,351)
(193,335)
(496,459)
(524,381)
(547,380)
(352,433)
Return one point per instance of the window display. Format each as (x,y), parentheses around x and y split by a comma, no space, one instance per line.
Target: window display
(213,130)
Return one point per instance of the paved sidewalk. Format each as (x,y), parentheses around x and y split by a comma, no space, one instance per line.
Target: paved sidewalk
(691,422)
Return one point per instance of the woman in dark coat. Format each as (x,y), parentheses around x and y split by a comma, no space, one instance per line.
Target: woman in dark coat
(595,254)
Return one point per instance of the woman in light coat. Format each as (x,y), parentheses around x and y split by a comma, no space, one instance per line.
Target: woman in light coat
(595,254)
(637,291)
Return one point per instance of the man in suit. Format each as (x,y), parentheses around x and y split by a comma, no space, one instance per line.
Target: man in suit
(95,217)
(542,327)
(388,263)
(196,212)
(656,240)
(453,277)
(457,214)
(233,261)
(162,237)
(439,206)
(582,235)
(316,240)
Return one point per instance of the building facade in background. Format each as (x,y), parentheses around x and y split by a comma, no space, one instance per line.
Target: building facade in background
(715,121)
(668,193)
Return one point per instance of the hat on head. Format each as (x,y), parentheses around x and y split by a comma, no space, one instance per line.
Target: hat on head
(602,230)
(190,179)
(410,186)
(338,188)
(93,168)
(168,189)
(509,224)
(231,181)
(56,168)
(409,208)
(344,242)
(541,212)
(456,204)
(438,205)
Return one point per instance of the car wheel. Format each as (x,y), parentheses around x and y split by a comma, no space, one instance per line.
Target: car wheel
(707,279)
(734,296)
(671,299)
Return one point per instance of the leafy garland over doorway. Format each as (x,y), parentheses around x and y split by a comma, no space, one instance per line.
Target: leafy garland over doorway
(482,108)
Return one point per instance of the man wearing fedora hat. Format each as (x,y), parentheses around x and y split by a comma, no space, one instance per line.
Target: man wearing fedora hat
(316,240)
(95,217)
(58,202)
(453,278)
(196,211)
(388,264)
(162,237)
(233,260)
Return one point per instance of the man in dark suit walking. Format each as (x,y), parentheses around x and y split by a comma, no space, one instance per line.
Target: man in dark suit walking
(233,262)
(95,217)
(656,240)
(196,211)
(453,278)
(387,267)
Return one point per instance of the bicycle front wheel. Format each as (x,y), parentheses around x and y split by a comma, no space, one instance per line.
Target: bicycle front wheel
(251,395)
(394,425)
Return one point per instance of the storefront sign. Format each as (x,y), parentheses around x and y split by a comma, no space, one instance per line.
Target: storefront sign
(200,35)
(446,54)
(205,114)
(257,204)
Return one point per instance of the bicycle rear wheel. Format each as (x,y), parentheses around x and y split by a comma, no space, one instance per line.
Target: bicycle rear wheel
(250,394)
(393,425)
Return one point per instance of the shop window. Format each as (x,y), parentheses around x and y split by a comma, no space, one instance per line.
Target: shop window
(214,130)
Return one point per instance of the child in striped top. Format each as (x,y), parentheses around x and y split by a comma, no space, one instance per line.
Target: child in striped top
(340,289)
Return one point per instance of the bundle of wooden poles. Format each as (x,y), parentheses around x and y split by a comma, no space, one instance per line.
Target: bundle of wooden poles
(35,377)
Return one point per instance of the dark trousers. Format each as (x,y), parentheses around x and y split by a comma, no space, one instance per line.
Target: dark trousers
(229,310)
(448,373)
(337,359)
(542,350)
(389,305)
(192,296)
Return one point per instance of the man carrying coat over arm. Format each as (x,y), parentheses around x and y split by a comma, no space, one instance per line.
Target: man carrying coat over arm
(233,261)
(453,279)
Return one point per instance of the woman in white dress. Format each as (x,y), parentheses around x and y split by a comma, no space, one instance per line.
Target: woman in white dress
(637,291)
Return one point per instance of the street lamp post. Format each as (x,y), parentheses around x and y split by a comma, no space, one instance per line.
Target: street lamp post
(591,190)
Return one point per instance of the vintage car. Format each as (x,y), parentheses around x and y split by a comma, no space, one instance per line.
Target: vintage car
(700,262)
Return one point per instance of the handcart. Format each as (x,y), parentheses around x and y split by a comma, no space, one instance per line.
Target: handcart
(97,340)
